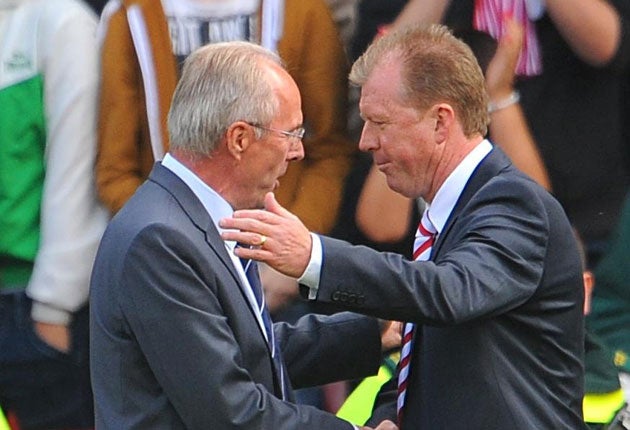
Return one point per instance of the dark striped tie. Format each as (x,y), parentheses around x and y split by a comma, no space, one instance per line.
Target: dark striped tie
(251,271)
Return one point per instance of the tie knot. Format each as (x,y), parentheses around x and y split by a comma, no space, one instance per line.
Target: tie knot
(425,226)
(425,236)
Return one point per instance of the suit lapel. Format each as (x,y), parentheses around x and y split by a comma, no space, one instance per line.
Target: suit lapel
(195,211)
(489,167)
(198,215)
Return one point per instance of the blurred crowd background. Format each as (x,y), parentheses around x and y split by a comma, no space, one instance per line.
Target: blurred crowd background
(84,92)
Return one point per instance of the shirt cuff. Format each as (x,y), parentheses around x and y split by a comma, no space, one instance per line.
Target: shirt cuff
(42,312)
(311,275)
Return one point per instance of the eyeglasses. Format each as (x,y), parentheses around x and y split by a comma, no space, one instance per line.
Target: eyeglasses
(294,136)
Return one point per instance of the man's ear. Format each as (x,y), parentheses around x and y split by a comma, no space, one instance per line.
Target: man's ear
(239,136)
(444,116)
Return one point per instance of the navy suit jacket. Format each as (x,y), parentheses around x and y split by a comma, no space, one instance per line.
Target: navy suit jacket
(499,340)
(174,341)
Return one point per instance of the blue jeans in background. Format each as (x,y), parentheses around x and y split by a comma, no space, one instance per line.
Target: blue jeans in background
(46,389)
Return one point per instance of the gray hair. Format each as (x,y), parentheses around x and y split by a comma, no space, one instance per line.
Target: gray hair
(221,83)
(436,67)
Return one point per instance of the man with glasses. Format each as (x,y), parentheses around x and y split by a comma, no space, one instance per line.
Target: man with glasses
(180,333)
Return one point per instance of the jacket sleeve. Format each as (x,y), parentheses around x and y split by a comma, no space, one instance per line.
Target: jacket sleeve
(314,55)
(121,103)
(72,221)
(497,251)
(349,340)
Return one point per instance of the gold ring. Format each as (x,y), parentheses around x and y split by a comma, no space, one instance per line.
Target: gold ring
(263,239)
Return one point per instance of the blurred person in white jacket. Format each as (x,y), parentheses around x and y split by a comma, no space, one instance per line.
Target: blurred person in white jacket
(50,221)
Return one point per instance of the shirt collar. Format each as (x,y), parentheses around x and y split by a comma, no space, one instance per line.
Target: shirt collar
(447,195)
(216,206)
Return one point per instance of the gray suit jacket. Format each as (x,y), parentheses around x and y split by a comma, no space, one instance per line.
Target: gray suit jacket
(499,341)
(174,341)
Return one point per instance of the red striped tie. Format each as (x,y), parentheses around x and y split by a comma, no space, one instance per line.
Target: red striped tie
(425,236)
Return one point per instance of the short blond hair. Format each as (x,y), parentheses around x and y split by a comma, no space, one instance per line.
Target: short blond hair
(436,67)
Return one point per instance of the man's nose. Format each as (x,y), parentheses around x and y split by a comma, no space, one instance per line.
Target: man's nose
(296,152)
(368,141)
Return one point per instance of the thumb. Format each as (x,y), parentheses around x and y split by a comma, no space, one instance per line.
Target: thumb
(272,205)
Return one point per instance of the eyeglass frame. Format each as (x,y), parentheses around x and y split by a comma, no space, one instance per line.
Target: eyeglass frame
(297,134)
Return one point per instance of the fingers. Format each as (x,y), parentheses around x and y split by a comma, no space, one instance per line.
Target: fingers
(258,254)
(246,237)
(252,225)
(272,214)
(391,335)
(501,70)
(255,227)
(512,41)
(276,237)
